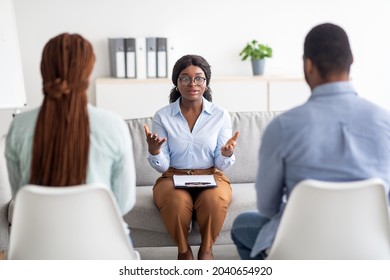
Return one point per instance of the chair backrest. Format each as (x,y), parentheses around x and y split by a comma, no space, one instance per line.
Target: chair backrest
(68,223)
(333,220)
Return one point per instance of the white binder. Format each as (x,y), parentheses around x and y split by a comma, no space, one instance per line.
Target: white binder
(162,57)
(130,58)
(151,57)
(140,57)
(117,57)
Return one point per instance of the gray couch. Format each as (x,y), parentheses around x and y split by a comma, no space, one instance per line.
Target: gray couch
(146,226)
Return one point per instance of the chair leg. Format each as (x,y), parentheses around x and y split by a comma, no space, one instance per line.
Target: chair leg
(3,255)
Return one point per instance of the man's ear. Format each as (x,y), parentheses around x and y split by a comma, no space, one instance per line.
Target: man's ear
(308,64)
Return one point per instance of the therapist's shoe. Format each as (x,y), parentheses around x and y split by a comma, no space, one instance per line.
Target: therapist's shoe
(208,255)
(186,255)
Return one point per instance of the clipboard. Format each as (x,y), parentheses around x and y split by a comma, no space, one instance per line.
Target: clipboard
(194,181)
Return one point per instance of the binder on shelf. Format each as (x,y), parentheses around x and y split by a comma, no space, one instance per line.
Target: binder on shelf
(130,58)
(172,55)
(140,54)
(151,57)
(162,57)
(117,57)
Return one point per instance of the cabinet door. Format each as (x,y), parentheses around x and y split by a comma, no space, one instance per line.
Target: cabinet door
(132,99)
(240,95)
(142,98)
(284,95)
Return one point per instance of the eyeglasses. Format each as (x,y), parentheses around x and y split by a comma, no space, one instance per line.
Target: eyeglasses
(186,81)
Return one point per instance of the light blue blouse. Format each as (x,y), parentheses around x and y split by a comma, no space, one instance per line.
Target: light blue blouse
(199,149)
(110,160)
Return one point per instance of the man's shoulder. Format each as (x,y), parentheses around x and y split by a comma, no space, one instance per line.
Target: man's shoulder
(374,109)
(298,112)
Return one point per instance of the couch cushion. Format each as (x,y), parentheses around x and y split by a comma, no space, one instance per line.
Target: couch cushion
(146,175)
(145,215)
(251,126)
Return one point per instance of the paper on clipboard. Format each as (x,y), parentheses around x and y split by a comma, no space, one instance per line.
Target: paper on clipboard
(194,181)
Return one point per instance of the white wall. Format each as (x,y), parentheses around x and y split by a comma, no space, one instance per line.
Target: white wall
(215,29)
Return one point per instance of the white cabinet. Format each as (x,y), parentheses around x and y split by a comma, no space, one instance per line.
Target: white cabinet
(132,98)
(285,94)
(239,94)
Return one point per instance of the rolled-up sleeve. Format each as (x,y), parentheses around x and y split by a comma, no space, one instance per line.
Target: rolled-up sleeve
(161,161)
(221,162)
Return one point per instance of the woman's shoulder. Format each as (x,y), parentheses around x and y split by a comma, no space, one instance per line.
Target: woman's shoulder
(102,115)
(214,107)
(27,115)
(25,121)
(20,133)
(167,110)
(100,119)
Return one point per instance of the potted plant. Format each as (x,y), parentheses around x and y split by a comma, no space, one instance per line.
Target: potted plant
(257,53)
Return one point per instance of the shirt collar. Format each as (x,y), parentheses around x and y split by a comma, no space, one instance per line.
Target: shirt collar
(344,87)
(206,106)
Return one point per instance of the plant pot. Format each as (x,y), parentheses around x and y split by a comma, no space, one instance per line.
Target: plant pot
(258,66)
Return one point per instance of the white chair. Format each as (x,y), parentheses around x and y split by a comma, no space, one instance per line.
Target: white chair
(68,223)
(334,221)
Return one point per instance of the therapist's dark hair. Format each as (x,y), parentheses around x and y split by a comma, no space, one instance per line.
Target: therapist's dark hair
(183,63)
(61,139)
(327,46)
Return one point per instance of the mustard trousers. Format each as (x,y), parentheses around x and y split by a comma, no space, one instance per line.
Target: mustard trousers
(177,206)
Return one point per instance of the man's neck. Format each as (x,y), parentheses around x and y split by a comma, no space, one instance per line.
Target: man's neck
(332,78)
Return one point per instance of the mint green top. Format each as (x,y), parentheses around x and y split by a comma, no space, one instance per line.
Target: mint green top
(110,159)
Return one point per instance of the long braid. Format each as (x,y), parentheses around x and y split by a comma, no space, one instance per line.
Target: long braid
(61,141)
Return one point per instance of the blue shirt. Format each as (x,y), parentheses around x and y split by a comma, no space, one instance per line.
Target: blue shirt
(110,159)
(334,136)
(199,149)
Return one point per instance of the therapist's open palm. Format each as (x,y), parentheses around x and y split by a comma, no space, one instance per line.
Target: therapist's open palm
(227,149)
(154,141)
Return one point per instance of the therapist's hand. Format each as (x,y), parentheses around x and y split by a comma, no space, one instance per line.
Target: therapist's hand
(154,141)
(227,149)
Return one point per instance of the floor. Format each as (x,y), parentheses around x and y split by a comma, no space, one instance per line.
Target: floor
(221,252)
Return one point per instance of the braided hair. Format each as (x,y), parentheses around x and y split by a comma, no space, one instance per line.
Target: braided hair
(61,140)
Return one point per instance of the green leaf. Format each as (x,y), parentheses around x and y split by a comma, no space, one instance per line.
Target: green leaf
(255,50)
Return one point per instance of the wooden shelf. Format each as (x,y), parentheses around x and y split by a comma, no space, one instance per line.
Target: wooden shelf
(132,98)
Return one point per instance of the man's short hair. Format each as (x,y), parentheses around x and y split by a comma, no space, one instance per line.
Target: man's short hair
(327,45)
